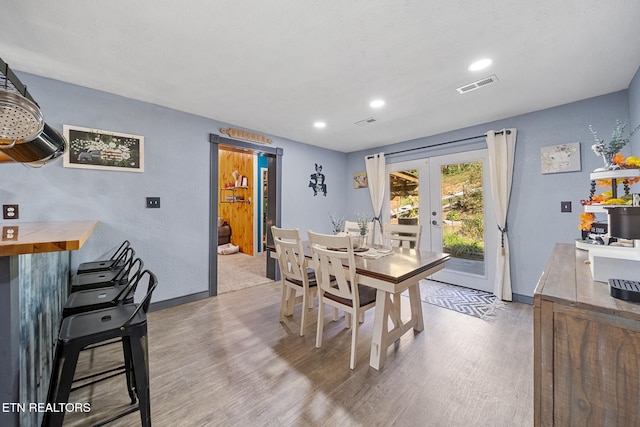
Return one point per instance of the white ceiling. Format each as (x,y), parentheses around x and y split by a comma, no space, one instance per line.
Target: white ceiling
(277,66)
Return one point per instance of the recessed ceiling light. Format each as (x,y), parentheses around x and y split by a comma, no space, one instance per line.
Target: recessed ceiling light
(480,65)
(320,125)
(376,103)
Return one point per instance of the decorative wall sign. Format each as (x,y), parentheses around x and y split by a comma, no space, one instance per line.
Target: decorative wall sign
(316,183)
(560,158)
(101,149)
(246,135)
(360,180)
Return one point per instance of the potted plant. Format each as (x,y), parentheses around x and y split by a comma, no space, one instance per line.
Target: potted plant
(608,151)
(363,220)
(337,223)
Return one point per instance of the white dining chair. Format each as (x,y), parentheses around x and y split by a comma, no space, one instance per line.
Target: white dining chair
(352,227)
(338,284)
(295,275)
(403,235)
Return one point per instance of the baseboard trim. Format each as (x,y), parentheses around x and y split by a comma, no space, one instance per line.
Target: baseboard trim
(525,299)
(160,305)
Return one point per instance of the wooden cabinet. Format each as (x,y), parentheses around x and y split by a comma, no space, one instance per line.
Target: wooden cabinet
(586,348)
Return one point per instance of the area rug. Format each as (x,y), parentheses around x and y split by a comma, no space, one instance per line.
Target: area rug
(239,271)
(467,301)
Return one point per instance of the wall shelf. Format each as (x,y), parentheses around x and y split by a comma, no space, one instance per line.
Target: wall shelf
(228,195)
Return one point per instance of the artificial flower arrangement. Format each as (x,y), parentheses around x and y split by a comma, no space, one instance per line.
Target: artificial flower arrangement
(606,197)
(337,223)
(613,160)
(609,151)
(586,221)
(363,223)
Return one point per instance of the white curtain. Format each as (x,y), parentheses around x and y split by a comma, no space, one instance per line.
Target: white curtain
(376,176)
(502,147)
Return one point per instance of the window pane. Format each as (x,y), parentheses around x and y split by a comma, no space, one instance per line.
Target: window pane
(463,216)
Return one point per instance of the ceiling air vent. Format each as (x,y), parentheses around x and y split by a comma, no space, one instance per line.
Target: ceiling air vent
(477,85)
(365,121)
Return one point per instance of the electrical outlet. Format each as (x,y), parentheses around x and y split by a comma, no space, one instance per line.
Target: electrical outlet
(153,202)
(10,212)
(9,233)
(565,206)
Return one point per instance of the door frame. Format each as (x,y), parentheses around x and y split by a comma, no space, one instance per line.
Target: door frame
(274,214)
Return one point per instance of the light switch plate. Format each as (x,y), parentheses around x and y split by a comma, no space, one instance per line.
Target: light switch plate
(153,202)
(565,206)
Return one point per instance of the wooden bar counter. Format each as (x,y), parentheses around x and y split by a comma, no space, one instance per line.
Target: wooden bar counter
(38,237)
(586,348)
(34,282)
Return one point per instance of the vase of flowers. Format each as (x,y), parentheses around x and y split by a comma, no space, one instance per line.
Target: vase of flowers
(609,151)
(363,220)
(337,223)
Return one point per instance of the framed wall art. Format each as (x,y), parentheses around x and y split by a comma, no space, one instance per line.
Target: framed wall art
(360,180)
(560,158)
(101,149)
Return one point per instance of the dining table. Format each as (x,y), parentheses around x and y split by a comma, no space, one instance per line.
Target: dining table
(392,271)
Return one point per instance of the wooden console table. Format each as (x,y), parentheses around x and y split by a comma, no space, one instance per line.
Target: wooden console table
(586,348)
(34,280)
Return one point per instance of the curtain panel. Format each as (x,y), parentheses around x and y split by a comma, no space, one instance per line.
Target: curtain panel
(502,147)
(376,176)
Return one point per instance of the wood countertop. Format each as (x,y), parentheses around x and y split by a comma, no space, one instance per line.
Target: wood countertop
(36,237)
(567,279)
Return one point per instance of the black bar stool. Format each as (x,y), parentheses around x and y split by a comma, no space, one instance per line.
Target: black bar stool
(96,299)
(103,279)
(116,261)
(127,322)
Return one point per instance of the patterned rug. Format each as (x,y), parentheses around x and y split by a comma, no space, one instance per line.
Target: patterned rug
(463,300)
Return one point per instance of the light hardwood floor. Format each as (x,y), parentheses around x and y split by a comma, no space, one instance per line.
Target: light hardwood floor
(227,361)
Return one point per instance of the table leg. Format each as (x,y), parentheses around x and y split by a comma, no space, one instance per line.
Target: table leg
(416,307)
(380,330)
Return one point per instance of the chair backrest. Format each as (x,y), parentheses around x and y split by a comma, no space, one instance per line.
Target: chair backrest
(119,253)
(135,271)
(352,227)
(290,252)
(402,235)
(333,275)
(127,257)
(152,283)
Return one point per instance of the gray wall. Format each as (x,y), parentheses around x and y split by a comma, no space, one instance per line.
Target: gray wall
(173,240)
(534,218)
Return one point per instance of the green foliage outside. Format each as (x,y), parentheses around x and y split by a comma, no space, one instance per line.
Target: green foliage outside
(463,247)
(464,238)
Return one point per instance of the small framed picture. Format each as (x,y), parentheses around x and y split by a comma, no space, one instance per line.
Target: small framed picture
(101,149)
(560,158)
(360,180)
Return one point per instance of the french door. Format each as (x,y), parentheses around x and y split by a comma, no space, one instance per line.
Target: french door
(450,197)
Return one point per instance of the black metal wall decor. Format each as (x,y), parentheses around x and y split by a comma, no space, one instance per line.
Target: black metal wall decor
(317,182)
